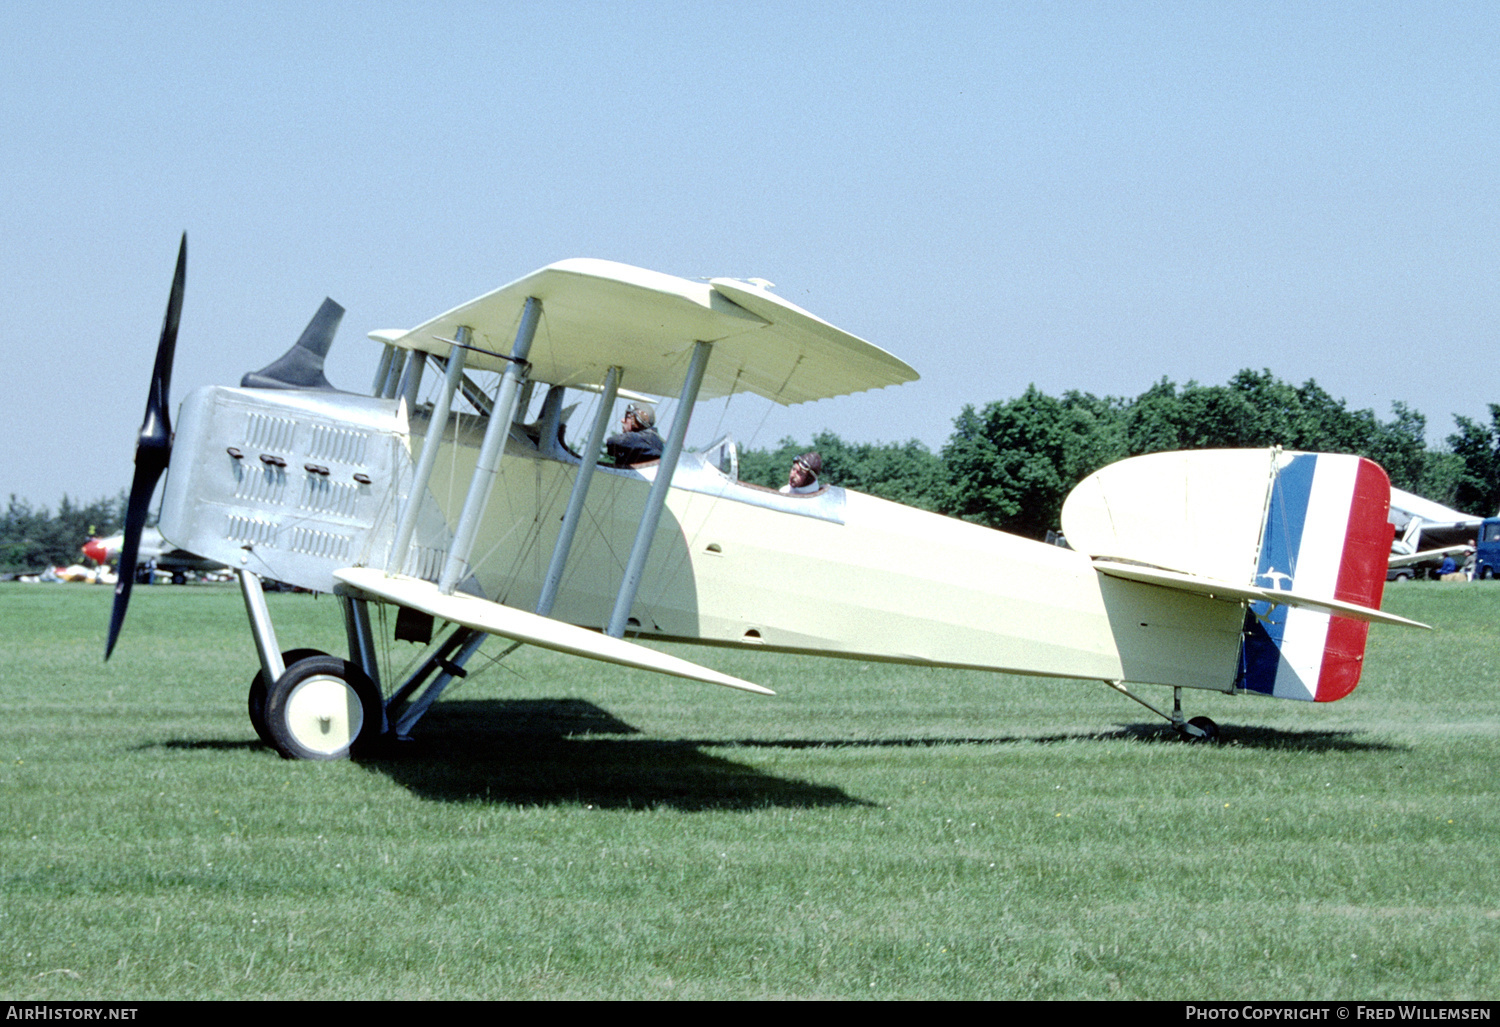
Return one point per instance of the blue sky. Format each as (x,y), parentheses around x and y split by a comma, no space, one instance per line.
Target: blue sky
(1080,196)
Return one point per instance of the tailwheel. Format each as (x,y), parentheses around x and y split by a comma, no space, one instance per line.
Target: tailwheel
(1200,729)
(322,708)
(256,701)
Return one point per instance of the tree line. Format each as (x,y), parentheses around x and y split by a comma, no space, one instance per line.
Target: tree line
(32,539)
(1011,464)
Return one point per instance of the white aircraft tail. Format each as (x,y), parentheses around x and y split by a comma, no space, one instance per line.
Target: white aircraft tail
(1301,538)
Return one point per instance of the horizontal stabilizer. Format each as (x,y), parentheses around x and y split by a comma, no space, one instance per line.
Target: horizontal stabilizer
(544,632)
(1247,593)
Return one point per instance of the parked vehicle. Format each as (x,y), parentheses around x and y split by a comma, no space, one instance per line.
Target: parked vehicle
(1487,553)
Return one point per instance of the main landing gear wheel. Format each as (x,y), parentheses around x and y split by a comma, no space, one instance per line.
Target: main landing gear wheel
(1200,729)
(256,701)
(322,708)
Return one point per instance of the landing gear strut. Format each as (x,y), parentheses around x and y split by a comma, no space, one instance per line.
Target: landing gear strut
(309,705)
(1199,729)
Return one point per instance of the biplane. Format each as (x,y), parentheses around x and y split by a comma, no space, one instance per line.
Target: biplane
(1253,571)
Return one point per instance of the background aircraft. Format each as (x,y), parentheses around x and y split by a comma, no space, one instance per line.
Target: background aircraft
(1426,532)
(151,547)
(1245,571)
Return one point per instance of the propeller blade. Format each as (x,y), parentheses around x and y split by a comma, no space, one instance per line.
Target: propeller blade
(141,489)
(153,450)
(156,428)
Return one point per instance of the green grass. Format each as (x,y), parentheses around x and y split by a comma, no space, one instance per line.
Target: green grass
(563,829)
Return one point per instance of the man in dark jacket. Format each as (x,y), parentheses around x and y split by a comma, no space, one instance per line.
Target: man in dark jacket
(639,442)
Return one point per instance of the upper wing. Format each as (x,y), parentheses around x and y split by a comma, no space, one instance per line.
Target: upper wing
(483,615)
(597,314)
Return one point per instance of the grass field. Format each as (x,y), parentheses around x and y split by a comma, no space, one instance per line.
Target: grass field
(562,829)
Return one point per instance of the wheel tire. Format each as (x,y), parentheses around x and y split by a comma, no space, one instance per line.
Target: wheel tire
(256,700)
(322,708)
(1489,574)
(1208,727)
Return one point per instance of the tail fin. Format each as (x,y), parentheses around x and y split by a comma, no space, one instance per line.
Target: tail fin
(1298,537)
(1326,532)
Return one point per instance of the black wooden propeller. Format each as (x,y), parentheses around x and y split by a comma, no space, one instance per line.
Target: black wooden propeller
(153,449)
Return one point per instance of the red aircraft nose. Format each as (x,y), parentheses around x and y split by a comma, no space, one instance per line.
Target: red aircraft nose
(94,550)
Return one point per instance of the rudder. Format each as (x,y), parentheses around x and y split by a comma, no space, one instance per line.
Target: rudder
(1326,532)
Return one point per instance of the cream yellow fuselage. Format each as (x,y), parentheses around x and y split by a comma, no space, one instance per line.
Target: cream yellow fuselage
(869,579)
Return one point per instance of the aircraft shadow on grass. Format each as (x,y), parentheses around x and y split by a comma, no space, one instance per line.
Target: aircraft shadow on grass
(1146,731)
(564,751)
(1247,737)
(545,751)
(571,751)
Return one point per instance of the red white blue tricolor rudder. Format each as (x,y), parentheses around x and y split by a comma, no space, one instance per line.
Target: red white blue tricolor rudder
(1326,533)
